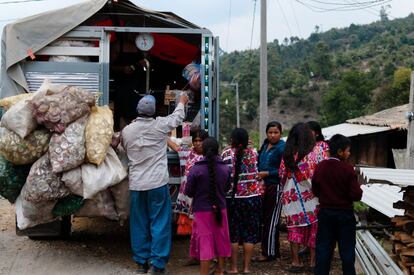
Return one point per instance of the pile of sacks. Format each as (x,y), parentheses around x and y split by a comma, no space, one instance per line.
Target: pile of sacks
(56,158)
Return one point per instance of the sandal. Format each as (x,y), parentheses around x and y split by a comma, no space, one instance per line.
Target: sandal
(295,269)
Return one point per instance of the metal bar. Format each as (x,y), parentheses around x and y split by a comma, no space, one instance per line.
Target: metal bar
(69,51)
(145,30)
(410,135)
(65,67)
(263,118)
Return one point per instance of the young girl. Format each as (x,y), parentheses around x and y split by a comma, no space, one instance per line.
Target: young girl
(243,200)
(299,203)
(270,156)
(207,183)
(188,156)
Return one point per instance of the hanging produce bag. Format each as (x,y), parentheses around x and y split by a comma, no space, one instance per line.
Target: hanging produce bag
(12,179)
(73,181)
(42,184)
(98,133)
(56,109)
(23,151)
(7,102)
(98,178)
(29,214)
(101,205)
(67,206)
(67,150)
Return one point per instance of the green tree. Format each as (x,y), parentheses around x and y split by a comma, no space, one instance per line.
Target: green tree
(347,98)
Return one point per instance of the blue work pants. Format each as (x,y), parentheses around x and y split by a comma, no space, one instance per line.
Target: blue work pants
(150,226)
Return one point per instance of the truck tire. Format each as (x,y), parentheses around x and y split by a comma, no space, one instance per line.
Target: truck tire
(56,229)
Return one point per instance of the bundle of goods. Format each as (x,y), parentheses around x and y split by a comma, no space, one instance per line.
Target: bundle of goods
(56,158)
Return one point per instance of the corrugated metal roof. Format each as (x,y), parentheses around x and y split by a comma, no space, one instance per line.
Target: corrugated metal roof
(400,177)
(351,130)
(381,197)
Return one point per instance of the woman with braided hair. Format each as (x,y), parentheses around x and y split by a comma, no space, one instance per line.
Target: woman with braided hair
(207,183)
(243,200)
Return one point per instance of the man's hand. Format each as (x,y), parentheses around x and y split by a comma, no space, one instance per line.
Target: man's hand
(183,98)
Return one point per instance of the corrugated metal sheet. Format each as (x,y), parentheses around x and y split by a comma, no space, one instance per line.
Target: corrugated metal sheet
(351,130)
(87,81)
(381,197)
(400,177)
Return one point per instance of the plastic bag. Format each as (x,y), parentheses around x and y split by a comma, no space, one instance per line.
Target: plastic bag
(19,119)
(12,179)
(7,102)
(42,184)
(73,181)
(98,178)
(23,151)
(101,205)
(56,109)
(67,150)
(98,134)
(68,205)
(29,214)
(120,193)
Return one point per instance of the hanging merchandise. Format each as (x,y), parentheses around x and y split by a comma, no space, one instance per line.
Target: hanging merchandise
(58,108)
(67,150)
(120,193)
(42,184)
(191,72)
(29,214)
(101,205)
(98,178)
(19,118)
(73,181)
(12,179)
(7,102)
(67,206)
(98,134)
(23,151)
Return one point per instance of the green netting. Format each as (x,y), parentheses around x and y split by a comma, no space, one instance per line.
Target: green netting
(12,179)
(68,206)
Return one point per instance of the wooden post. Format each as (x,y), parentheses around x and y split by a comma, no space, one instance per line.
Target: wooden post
(410,133)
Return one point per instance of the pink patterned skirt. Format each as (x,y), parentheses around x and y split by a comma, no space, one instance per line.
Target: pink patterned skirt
(304,235)
(209,239)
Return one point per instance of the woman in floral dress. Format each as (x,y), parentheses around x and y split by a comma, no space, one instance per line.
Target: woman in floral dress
(300,206)
(244,198)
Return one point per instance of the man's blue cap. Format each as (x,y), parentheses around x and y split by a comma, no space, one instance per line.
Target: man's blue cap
(146,106)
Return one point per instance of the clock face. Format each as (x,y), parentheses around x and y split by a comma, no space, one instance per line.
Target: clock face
(144,41)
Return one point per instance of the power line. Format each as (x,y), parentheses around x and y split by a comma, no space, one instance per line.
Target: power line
(284,17)
(346,8)
(348,4)
(296,19)
(18,2)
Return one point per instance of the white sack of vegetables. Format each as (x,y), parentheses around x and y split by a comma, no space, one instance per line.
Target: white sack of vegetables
(42,184)
(98,178)
(23,151)
(101,205)
(56,109)
(73,181)
(67,150)
(29,214)
(19,119)
(98,134)
(7,102)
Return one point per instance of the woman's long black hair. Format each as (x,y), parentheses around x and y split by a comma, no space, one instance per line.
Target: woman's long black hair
(210,151)
(239,141)
(199,133)
(316,127)
(301,142)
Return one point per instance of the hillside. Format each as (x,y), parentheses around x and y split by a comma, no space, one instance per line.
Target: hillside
(331,76)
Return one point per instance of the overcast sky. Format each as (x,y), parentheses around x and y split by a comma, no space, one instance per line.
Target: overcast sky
(232,20)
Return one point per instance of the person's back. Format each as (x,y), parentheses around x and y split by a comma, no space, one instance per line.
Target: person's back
(335,184)
(145,141)
(206,184)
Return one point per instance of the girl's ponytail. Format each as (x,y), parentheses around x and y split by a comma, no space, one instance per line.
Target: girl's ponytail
(239,141)
(210,151)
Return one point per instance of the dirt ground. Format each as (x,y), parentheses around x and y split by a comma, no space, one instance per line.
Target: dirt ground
(97,246)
